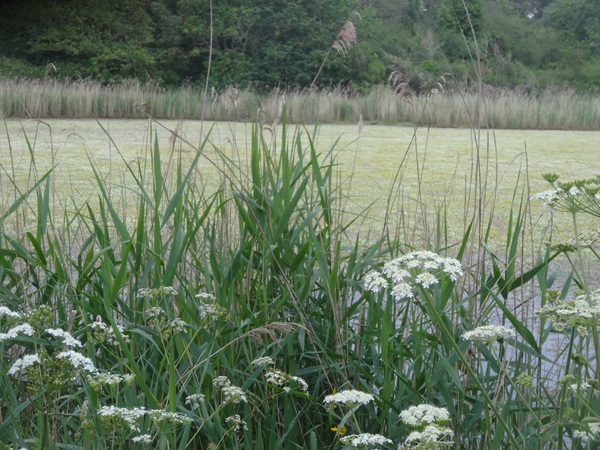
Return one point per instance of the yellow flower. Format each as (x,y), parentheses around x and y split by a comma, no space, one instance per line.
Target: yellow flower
(340,432)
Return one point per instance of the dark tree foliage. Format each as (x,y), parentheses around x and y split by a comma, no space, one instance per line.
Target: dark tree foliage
(270,43)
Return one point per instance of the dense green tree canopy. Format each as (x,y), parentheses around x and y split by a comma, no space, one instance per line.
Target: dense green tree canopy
(269,43)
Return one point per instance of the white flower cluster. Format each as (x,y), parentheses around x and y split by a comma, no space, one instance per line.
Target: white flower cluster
(142,439)
(429,437)
(572,196)
(160,416)
(99,380)
(263,361)
(489,333)
(278,377)
(131,416)
(208,309)
(158,319)
(578,313)
(594,431)
(194,400)
(17,330)
(424,414)
(416,269)
(66,337)
(238,423)
(156,292)
(78,361)
(20,365)
(550,198)
(104,333)
(6,312)
(348,398)
(428,425)
(364,440)
(231,393)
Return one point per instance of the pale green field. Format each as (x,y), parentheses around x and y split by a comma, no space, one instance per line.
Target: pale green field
(434,165)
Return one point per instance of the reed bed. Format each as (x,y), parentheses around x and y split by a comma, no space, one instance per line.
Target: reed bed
(551,108)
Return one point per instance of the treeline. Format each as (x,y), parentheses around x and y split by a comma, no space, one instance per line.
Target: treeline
(265,44)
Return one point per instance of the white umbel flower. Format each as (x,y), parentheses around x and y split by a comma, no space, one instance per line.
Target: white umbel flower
(349,398)
(424,414)
(14,332)
(364,440)
(489,333)
(22,364)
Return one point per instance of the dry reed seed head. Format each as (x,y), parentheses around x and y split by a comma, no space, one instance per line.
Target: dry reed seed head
(345,38)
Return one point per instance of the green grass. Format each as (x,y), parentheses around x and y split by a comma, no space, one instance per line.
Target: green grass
(268,231)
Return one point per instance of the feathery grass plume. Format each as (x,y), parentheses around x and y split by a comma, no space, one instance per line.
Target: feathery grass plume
(345,38)
(400,85)
(272,331)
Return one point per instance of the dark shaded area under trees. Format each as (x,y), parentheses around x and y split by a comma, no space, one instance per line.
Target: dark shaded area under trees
(279,43)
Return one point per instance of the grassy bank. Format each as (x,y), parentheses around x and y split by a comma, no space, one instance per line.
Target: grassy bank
(169,312)
(559,109)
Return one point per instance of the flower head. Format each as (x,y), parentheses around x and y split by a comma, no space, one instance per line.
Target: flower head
(365,440)
(17,330)
(20,365)
(348,398)
(413,270)
(424,414)
(489,333)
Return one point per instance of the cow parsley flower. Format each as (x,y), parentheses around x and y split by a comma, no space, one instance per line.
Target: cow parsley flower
(279,378)
(17,330)
(66,337)
(263,361)
(142,439)
(364,440)
(99,381)
(111,415)
(375,282)
(348,398)
(417,269)
(20,365)
(430,436)
(578,313)
(6,312)
(105,333)
(424,414)
(489,333)
(237,422)
(78,361)
(231,393)
(194,400)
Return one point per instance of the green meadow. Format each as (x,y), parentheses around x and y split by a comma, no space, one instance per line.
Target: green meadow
(249,285)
